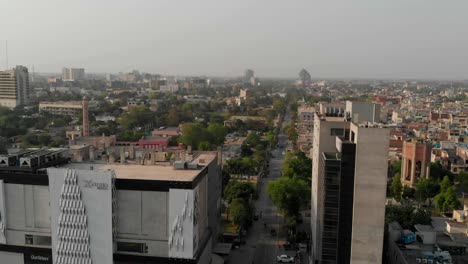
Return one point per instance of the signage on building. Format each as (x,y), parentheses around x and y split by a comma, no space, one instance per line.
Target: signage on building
(37,258)
(97,185)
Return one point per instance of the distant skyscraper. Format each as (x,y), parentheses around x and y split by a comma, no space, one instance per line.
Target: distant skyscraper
(304,77)
(14,87)
(349,179)
(73,74)
(249,74)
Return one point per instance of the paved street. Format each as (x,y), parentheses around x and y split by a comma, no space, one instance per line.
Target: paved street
(261,246)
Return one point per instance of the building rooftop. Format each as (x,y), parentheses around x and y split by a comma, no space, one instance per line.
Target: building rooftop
(157,172)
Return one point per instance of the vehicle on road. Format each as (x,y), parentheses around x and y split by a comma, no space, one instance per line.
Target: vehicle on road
(284,259)
(255,217)
(273,232)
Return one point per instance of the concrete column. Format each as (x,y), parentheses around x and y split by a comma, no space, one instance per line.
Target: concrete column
(122,155)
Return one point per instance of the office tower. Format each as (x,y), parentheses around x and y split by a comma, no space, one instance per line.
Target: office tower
(363,111)
(73,74)
(349,179)
(305,78)
(416,162)
(14,87)
(248,75)
(85,117)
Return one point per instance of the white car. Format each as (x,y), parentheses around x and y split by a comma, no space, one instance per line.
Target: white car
(285,259)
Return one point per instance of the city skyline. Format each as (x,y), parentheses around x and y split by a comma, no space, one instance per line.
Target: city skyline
(397,40)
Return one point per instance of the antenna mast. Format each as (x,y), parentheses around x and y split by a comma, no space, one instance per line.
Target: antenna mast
(6,53)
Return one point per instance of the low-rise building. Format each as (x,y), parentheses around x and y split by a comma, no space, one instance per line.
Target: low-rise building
(100,212)
(70,108)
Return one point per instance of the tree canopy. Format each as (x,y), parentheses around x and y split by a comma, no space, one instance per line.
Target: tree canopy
(289,194)
(397,187)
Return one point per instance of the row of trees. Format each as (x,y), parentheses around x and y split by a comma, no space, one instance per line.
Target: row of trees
(291,192)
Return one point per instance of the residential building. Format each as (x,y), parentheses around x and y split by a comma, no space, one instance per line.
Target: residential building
(349,181)
(416,162)
(73,74)
(166,132)
(14,87)
(137,211)
(159,143)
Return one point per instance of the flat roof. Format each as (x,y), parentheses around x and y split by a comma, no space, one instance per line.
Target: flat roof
(157,172)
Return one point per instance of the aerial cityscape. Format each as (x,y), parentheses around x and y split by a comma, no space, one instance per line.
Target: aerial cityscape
(238,133)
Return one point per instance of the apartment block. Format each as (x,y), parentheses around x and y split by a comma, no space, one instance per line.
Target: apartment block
(73,74)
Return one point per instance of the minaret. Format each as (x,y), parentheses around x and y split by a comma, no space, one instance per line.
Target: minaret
(85,117)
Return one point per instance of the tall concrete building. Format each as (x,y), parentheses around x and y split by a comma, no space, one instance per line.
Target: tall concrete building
(73,74)
(363,111)
(416,162)
(349,179)
(14,87)
(248,75)
(305,78)
(134,211)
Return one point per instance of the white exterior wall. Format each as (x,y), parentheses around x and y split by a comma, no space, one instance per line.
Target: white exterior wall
(363,111)
(98,209)
(370,185)
(142,217)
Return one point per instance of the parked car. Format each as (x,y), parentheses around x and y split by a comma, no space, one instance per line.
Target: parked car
(285,259)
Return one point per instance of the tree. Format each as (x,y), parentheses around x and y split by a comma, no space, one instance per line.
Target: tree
(463,180)
(447,200)
(253,139)
(173,117)
(426,189)
(240,214)
(397,187)
(288,194)
(407,216)
(3,145)
(204,146)
(137,116)
(218,133)
(296,164)
(445,184)
(193,134)
(238,190)
(438,172)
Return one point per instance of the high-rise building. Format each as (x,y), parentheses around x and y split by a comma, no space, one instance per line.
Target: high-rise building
(416,162)
(363,111)
(248,75)
(305,78)
(349,180)
(14,87)
(73,74)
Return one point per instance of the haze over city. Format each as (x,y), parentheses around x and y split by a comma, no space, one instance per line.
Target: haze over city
(233,132)
(332,39)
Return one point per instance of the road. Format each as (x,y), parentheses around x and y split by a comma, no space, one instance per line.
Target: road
(261,247)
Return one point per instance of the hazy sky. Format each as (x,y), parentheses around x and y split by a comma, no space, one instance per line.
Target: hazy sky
(331,39)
